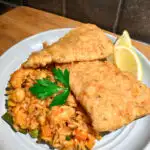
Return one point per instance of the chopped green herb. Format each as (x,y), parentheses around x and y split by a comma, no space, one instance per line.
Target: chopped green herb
(9,119)
(23,131)
(34,133)
(104,133)
(6,104)
(44,88)
(68,138)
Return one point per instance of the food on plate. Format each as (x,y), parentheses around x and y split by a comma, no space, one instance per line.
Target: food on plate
(87,42)
(67,94)
(64,126)
(111,97)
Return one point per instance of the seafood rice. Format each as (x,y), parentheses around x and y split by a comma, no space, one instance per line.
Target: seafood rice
(64,127)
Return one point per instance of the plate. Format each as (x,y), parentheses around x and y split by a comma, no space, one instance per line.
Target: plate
(135,136)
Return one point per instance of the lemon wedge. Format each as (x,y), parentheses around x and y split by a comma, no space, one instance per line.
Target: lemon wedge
(124,40)
(125,57)
(128,61)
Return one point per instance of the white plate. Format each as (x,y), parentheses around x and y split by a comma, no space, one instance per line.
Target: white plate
(135,136)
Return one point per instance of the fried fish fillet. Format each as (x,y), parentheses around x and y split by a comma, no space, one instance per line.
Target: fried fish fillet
(111,98)
(86,42)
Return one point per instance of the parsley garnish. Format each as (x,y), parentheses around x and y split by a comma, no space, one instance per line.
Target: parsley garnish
(68,138)
(44,88)
(60,99)
(62,77)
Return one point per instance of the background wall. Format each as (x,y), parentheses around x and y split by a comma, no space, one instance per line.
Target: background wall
(112,15)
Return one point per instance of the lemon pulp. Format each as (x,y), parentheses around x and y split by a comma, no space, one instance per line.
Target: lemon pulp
(128,61)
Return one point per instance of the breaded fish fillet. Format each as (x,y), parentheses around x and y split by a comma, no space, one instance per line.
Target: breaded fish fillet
(112,98)
(87,42)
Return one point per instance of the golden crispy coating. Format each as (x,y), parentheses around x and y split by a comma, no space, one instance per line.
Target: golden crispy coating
(87,42)
(38,59)
(112,98)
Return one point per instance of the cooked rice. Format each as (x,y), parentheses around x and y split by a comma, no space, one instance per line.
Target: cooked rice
(54,125)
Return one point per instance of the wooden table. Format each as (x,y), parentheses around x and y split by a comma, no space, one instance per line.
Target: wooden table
(23,22)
